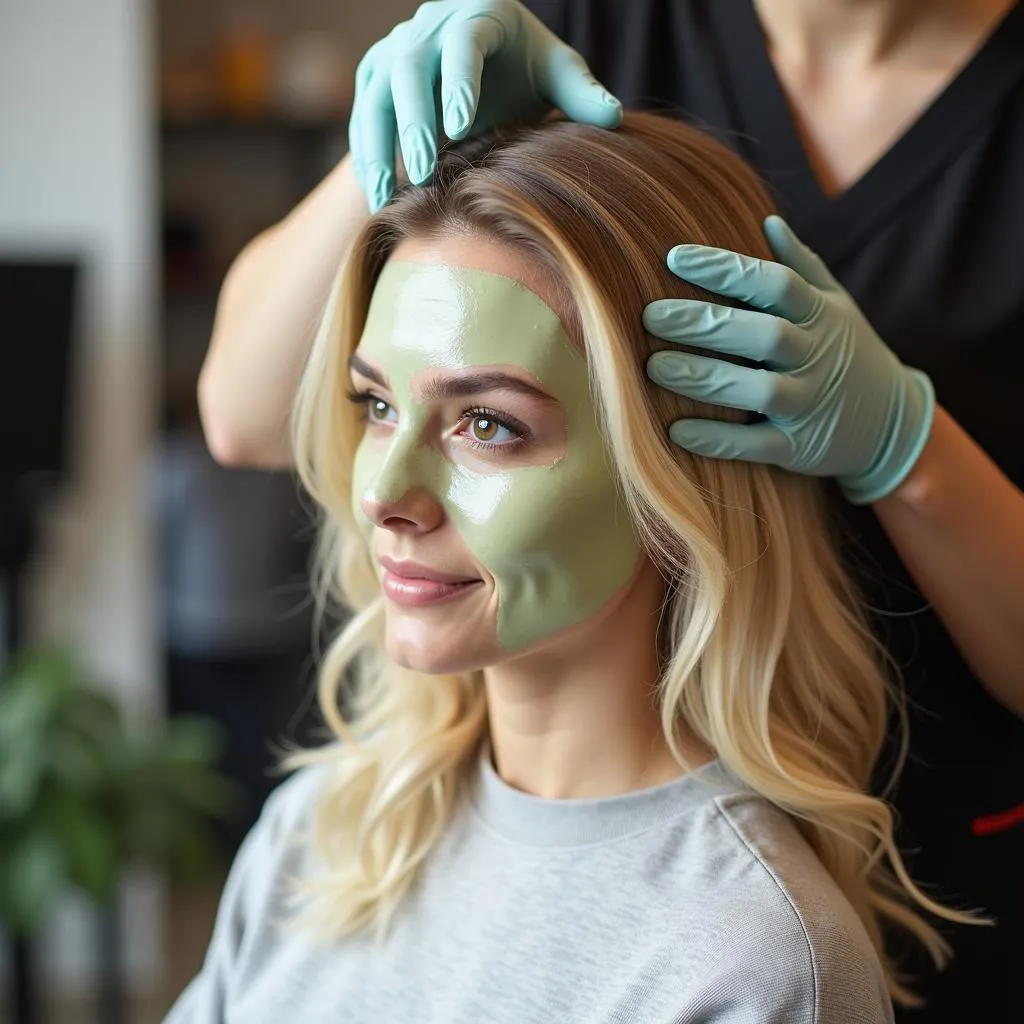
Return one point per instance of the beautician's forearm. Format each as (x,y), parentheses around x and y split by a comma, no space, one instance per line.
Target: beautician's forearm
(267,314)
(958,524)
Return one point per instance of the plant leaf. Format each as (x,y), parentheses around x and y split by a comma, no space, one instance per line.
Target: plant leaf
(89,838)
(78,761)
(33,875)
(21,774)
(191,738)
(93,714)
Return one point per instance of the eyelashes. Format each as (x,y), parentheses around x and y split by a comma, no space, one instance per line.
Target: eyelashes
(370,403)
(480,420)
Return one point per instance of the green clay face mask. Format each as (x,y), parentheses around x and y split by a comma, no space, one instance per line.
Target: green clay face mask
(556,537)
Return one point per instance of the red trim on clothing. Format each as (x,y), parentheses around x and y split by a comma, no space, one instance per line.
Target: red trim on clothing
(997,822)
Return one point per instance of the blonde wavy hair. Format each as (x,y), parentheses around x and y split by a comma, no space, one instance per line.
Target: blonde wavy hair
(767,656)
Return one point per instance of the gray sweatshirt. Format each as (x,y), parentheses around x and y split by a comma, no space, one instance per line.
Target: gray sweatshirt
(694,901)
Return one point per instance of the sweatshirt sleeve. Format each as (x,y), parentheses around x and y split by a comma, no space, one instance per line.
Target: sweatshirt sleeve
(206,998)
(777,974)
(247,896)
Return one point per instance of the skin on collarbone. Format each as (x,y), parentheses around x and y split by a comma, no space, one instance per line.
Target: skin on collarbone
(857,75)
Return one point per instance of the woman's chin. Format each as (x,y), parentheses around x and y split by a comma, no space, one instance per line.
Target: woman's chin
(439,648)
(433,657)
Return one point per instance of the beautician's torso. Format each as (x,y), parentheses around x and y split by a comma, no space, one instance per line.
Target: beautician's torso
(927,233)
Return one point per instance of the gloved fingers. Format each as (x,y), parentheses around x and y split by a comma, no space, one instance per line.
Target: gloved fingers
(465,47)
(373,131)
(355,150)
(768,339)
(793,253)
(769,286)
(412,91)
(707,379)
(752,442)
(567,83)
(363,77)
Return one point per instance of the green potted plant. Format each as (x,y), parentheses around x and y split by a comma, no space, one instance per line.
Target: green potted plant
(82,796)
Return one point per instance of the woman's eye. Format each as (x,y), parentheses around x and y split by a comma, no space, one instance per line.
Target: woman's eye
(372,408)
(489,431)
(379,410)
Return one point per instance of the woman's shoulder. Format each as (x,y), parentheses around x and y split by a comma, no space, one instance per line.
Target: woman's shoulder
(280,840)
(291,806)
(805,925)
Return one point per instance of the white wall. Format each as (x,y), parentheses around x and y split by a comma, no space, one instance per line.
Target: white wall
(77,175)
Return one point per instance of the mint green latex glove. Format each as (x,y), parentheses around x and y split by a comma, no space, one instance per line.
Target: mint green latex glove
(837,400)
(484,63)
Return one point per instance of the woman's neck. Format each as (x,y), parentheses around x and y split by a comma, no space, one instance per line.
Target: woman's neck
(580,718)
(862,33)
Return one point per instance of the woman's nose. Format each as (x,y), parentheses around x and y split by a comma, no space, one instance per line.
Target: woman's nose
(416,511)
(403,495)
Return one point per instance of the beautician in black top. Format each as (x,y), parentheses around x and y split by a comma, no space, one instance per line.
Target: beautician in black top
(892,134)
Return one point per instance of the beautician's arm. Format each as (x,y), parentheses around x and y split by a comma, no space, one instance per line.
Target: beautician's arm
(958,524)
(267,314)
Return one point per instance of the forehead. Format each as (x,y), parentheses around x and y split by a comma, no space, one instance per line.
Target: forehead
(443,316)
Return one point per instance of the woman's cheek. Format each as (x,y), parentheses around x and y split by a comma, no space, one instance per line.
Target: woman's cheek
(555,539)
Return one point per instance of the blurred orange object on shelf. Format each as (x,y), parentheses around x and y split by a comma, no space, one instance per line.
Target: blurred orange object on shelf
(245,64)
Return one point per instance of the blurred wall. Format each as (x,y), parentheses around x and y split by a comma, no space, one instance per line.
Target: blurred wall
(77,176)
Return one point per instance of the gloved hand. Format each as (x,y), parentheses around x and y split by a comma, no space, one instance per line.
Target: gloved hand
(837,400)
(494,62)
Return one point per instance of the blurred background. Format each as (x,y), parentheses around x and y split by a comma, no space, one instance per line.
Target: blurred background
(157,636)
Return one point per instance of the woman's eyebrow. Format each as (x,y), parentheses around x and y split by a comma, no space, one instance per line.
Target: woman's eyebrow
(367,371)
(438,389)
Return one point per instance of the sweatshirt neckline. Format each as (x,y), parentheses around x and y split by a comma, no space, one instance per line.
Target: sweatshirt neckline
(536,821)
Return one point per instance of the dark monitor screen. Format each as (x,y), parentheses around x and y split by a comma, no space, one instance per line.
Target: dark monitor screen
(37,322)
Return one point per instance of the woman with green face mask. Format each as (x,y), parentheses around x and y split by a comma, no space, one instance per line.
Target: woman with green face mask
(615,708)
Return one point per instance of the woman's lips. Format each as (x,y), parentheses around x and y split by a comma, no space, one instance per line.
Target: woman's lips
(409,583)
(411,591)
